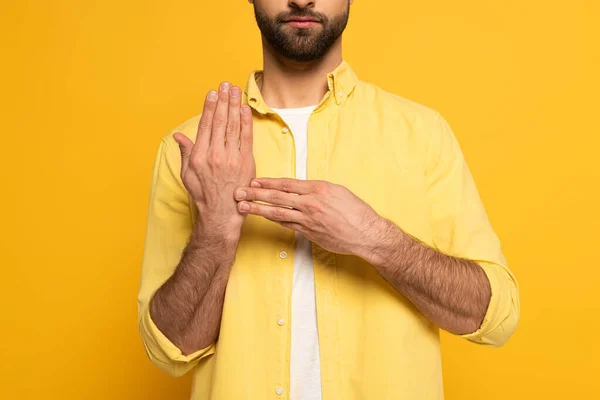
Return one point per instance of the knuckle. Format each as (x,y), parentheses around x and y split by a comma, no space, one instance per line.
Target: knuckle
(231,128)
(314,207)
(276,197)
(219,121)
(232,165)
(235,101)
(279,213)
(195,162)
(321,188)
(214,159)
(286,184)
(210,105)
(204,123)
(246,120)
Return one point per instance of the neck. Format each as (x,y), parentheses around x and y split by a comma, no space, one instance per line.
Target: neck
(291,84)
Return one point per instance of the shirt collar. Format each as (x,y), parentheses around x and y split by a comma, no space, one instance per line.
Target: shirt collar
(341,82)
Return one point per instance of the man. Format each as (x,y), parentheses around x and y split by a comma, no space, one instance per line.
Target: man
(308,237)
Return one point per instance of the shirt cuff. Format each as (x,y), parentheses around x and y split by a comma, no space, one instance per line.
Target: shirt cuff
(164,353)
(502,314)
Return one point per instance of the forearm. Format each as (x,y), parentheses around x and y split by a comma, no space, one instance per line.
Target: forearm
(452,292)
(187,307)
(204,326)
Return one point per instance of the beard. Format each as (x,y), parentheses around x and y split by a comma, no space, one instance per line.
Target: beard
(301,44)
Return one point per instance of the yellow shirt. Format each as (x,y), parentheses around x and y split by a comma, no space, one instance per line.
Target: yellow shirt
(403,159)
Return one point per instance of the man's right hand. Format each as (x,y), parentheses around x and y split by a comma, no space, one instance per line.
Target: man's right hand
(215,165)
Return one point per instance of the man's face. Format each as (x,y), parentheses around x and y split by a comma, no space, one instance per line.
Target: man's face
(301,30)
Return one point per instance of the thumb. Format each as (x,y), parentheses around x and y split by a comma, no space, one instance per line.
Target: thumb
(185,147)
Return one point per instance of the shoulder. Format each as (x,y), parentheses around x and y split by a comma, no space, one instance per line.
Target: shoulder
(393,104)
(188,128)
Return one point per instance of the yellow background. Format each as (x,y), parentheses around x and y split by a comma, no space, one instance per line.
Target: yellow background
(89,88)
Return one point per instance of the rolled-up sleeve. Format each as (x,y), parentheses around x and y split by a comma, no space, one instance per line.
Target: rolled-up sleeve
(169,226)
(461,228)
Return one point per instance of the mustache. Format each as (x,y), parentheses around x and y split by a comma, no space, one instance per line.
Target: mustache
(300,12)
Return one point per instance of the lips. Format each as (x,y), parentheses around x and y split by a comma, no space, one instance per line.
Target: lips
(302,22)
(302,19)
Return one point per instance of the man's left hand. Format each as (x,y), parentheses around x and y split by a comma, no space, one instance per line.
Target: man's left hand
(327,214)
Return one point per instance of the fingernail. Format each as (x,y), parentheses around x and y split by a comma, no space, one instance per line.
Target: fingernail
(241,194)
(225,86)
(212,95)
(255,184)
(245,109)
(244,206)
(235,92)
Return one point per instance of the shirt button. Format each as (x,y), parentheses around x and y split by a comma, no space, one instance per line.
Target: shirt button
(280,321)
(279,391)
(285,130)
(340,94)
(283,254)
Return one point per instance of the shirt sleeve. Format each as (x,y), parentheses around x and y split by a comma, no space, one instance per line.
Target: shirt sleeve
(461,228)
(169,226)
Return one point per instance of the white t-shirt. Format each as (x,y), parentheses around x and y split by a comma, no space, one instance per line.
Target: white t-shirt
(305,367)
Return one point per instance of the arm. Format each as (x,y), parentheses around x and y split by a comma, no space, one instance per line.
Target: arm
(186,268)
(452,292)
(169,228)
(187,308)
(462,283)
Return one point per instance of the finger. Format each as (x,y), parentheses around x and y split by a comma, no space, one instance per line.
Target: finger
(232,133)
(205,124)
(219,122)
(299,186)
(271,212)
(291,225)
(246,130)
(275,197)
(185,148)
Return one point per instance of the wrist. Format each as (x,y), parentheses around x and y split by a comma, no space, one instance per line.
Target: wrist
(227,235)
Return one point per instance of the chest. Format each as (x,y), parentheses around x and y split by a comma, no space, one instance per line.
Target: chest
(379,158)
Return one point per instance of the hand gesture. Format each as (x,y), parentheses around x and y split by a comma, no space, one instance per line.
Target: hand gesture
(326,213)
(220,160)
